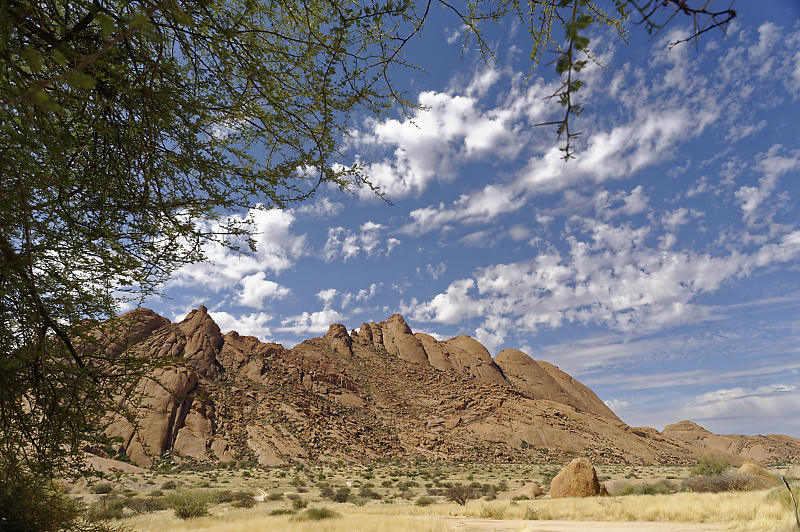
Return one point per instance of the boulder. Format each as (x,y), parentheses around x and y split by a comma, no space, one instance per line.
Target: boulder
(437,356)
(164,406)
(339,339)
(399,341)
(577,479)
(531,490)
(468,355)
(203,341)
(193,437)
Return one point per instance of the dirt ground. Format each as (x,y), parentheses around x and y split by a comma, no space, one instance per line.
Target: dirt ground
(508,525)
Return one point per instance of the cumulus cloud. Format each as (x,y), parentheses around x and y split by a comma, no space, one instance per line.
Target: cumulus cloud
(310,323)
(449,128)
(277,249)
(772,165)
(254,324)
(609,277)
(347,244)
(256,288)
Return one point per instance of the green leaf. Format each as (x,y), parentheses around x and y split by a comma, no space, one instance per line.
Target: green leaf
(80,79)
(33,59)
(106,23)
(59,58)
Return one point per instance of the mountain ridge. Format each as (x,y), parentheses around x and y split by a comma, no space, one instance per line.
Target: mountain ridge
(380,392)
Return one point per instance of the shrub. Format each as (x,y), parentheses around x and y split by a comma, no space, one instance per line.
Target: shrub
(317,514)
(299,504)
(275,496)
(189,505)
(341,495)
(146,505)
(103,488)
(718,483)
(660,488)
(425,501)
(245,501)
(169,485)
(282,511)
(532,514)
(709,467)
(459,494)
(108,508)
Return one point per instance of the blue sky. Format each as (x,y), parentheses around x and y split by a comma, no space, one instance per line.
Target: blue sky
(659,267)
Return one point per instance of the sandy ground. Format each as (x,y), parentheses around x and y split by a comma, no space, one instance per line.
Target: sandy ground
(510,525)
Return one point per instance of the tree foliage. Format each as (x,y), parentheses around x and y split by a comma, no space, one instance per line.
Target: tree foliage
(130,133)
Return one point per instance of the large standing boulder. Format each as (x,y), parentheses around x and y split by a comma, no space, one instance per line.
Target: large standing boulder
(577,479)
(399,341)
(339,340)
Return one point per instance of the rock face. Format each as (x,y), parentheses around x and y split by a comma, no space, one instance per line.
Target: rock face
(577,479)
(379,392)
(764,449)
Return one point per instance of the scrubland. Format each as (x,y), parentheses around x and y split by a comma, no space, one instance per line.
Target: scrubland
(398,496)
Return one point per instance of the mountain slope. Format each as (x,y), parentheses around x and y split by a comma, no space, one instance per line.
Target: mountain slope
(379,392)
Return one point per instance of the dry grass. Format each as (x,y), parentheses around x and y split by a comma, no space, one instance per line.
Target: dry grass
(762,511)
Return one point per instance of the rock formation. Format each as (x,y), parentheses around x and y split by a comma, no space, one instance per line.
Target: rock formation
(381,391)
(577,479)
(767,449)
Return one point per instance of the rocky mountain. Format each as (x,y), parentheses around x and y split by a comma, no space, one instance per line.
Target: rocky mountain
(381,391)
(770,448)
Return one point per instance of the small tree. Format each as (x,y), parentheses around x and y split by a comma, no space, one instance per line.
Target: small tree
(460,494)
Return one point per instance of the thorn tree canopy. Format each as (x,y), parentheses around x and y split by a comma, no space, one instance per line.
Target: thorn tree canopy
(125,125)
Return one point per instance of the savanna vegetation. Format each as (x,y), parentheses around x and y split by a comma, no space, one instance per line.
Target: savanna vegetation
(415,496)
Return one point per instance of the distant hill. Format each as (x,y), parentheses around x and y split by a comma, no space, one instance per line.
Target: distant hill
(379,392)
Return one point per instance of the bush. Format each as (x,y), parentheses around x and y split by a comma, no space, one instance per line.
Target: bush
(146,505)
(103,488)
(341,495)
(275,496)
(245,501)
(299,504)
(660,488)
(282,511)
(459,494)
(425,501)
(189,505)
(108,508)
(317,514)
(169,485)
(531,514)
(709,467)
(719,483)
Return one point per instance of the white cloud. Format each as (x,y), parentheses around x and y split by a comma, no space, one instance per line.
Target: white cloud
(255,324)
(310,323)
(326,296)
(277,249)
(449,128)
(256,288)
(322,207)
(773,400)
(772,165)
(609,277)
(348,244)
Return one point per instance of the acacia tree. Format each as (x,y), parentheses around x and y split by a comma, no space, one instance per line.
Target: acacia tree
(126,125)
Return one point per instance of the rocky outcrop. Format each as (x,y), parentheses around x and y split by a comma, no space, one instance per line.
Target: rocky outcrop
(577,479)
(163,401)
(381,391)
(339,340)
(770,448)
